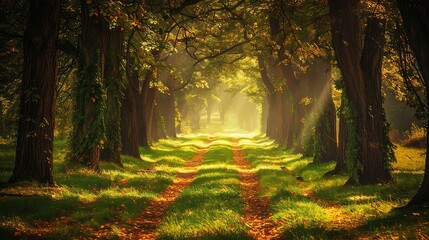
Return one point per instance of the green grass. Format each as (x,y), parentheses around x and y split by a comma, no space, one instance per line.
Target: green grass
(365,210)
(89,199)
(211,207)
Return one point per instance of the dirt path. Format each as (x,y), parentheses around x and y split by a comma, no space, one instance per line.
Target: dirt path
(257,214)
(145,225)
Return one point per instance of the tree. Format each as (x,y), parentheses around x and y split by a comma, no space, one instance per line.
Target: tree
(415,21)
(368,150)
(113,81)
(325,133)
(34,151)
(90,95)
(129,133)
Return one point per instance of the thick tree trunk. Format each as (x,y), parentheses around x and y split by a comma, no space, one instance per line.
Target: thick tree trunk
(367,161)
(415,15)
(34,158)
(376,168)
(88,119)
(129,133)
(113,81)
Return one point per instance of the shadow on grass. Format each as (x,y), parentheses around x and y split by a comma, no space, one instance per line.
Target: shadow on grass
(89,200)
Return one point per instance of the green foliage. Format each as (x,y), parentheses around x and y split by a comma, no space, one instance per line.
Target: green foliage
(319,150)
(388,147)
(309,143)
(354,166)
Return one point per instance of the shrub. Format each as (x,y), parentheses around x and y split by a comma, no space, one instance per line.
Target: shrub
(415,137)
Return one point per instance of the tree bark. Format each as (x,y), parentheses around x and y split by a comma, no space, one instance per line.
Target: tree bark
(340,166)
(169,113)
(325,136)
(415,20)
(264,115)
(89,107)
(151,117)
(143,108)
(367,162)
(129,133)
(113,81)
(375,169)
(34,150)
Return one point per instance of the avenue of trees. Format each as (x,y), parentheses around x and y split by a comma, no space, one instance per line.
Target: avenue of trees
(113,76)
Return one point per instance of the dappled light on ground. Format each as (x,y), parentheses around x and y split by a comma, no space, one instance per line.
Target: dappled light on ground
(224,185)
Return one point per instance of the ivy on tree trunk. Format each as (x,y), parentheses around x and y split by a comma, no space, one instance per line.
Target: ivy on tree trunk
(89,92)
(367,152)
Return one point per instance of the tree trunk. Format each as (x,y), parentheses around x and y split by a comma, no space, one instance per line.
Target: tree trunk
(181,107)
(365,151)
(415,19)
(89,107)
(144,108)
(169,111)
(129,133)
(325,137)
(341,166)
(376,167)
(209,110)
(264,115)
(158,121)
(151,117)
(113,81)
(34,157)
(325,132)
(271,122)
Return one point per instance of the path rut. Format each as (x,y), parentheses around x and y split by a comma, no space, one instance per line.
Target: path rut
(257,214)
(145,226)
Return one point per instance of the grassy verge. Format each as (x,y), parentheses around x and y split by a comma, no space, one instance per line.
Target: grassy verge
(86,201)
(323,208)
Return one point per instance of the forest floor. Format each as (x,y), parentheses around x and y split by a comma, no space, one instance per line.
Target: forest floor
(211,186)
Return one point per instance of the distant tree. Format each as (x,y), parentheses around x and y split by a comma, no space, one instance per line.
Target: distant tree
(34,150)
(12,26)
